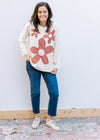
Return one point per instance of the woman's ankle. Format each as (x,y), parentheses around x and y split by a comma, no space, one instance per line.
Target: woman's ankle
(37,116)
(49,118)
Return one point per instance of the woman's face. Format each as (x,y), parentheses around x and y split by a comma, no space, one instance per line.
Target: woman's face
(42,14)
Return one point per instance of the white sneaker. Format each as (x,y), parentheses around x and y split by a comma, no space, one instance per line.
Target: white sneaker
(52,125)
(36,123)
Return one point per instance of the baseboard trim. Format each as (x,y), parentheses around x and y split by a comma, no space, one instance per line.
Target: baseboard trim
(24,114)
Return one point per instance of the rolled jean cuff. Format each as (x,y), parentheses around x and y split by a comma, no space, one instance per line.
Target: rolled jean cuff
(53,115)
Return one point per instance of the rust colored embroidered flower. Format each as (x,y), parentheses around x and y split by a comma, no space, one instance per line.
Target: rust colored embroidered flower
(41,52)
(34,33)
(50,36)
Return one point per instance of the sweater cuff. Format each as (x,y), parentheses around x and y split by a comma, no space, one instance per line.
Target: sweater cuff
(57,66)
(25,54)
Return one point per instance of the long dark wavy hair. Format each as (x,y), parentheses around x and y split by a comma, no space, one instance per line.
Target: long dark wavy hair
(35,19)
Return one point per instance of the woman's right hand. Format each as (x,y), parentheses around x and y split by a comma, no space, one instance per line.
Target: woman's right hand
(27,57)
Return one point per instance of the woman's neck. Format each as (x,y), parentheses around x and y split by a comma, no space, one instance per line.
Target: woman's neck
(43,24)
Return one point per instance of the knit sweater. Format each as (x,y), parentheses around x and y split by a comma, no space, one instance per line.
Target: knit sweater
(42,46)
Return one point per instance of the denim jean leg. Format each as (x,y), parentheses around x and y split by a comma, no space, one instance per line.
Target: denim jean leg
(52,85)
(34,76)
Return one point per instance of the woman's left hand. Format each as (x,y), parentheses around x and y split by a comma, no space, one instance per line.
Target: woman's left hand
(54,71)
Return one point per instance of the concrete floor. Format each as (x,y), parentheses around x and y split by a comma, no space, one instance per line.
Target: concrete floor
(71,129)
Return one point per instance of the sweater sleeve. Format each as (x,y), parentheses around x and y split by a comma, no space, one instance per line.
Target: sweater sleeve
(22,39)
(56,48)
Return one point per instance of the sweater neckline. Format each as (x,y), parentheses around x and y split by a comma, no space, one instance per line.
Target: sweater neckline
(42,26)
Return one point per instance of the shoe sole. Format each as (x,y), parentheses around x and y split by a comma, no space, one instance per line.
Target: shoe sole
(52,127)
(34,128)
(37,126)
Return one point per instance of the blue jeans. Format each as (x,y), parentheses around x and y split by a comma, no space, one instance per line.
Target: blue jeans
(52,85)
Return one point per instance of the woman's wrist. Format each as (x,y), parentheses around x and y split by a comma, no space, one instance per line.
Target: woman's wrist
(27,57)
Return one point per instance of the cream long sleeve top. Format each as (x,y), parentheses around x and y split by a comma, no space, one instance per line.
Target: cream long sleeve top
(42,46)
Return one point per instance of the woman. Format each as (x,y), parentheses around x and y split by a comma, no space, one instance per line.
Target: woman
(42,58)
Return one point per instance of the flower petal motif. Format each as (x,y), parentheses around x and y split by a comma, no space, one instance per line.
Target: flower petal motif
(41,52)
(42,43)
(49,49)
(53,38)
(50,36)
(53,31)
(45,36)
(32,31)
(45,59)
(34,50)
(35,33)
(35,59)
(49,40)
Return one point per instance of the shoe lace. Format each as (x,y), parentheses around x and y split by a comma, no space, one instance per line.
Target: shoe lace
(36,120)
(53,122)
